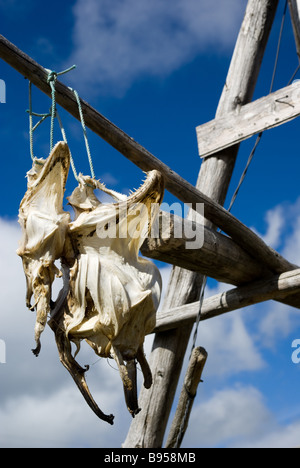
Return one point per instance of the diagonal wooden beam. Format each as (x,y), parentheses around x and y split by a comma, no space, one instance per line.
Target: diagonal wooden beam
(261,115)
(295,16)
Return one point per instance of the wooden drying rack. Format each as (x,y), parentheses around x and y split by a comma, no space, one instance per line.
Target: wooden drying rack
(238,257)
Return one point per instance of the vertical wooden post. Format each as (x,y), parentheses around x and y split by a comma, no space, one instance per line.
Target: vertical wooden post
(295,15)
(148,428)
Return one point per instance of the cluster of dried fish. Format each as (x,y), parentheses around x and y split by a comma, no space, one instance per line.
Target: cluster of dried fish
(110,294)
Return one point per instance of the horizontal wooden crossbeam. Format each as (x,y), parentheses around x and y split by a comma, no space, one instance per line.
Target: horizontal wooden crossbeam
(195,247)
(265,113)
(217,256)
(238,298)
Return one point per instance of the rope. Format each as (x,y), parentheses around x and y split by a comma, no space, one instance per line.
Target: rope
(31,127)
(51,80)
(30,122)
(294,74)
(84,132)
(245,171)
(201,299)
(66,141)
(279,44)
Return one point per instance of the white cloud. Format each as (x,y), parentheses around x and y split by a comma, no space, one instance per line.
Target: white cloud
(117,42)
(292,246)
(279,437)
(278,322)
(283,230)
(228,415)
(58,420)
(231,347)
(275,221)
(238,417)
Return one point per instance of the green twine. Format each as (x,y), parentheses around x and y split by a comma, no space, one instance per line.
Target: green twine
(66,141)
(51,80)
(31,127)
(84,132)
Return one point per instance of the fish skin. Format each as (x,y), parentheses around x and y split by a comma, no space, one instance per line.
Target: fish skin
(44,226)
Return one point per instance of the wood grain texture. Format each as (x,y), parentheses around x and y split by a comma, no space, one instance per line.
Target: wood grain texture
(294,6)
(275,287)
(187,398)
(218,257)
(263,114)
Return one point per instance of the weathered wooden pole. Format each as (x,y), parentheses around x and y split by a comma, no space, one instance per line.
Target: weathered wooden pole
(258,116)
(294,6)
(276,287)
(148,428)
(219,257)
(187,397)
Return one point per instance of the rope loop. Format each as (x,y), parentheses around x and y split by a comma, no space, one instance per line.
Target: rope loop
(84,132)
(51,80)
(52,76)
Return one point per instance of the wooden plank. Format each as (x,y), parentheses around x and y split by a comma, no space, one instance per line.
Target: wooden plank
(275,287)
(179,187)
(147,429)
(261,115)
(294,6)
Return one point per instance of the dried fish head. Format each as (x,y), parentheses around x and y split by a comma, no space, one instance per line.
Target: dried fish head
(83,198)
(44,225)
(107,240)
(113,293)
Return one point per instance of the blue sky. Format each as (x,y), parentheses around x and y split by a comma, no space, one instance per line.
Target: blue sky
(157,73)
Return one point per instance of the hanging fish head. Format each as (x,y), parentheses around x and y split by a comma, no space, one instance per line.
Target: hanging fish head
(114,293)
(46,181)
(142,208)
(44,225)
(126,224)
